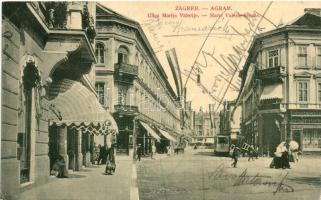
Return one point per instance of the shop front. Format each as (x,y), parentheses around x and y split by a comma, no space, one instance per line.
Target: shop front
(305,128)
(76,117)
(146,137)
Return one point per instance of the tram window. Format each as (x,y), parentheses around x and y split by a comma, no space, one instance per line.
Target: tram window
(222,140)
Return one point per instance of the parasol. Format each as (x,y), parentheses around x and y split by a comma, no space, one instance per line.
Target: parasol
(293,145)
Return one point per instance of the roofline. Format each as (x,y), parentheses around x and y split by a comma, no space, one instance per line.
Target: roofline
(283,29)
(134,24)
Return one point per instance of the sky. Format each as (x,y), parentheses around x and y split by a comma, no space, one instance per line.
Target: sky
(210,38)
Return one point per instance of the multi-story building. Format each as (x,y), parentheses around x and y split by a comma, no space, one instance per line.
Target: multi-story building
(49,107)
(206,127)
(230,120)
(132,84)
(281,86)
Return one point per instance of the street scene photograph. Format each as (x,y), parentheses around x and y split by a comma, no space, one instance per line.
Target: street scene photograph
(160,100)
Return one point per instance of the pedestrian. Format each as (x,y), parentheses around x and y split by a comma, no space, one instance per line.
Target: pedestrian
(256,152)
(104,154)
(139,152)
(153,151)
(251,153)
(294,150)
(195,146)
(169,150)
(110,160)
(285,157)
(100,156)
(235,156)
(59,168)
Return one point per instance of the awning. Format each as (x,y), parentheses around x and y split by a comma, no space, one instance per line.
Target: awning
(272,92)
(150,131)
(74,105)
(167,135)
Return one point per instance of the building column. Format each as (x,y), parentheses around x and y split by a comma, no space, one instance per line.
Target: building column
(87,149)
(92,149)
(79,159)
(62,146)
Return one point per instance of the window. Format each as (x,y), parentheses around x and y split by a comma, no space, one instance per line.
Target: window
(303,91)
(30,79)
(100,88)
(273,58)
(302,56)
(319,56)
(319,92)
(100,53)
(122,55)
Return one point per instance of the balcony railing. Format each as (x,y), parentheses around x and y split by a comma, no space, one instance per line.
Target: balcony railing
(54,15)
(126,69)
(302,105)
(271,74)
(126,109)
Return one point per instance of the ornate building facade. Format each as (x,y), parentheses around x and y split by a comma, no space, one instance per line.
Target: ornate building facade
(281,89)
(132,84)
(205,127)
(49,107)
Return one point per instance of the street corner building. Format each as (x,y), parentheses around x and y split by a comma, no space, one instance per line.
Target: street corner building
(133,86)
(281,86)
(49,104)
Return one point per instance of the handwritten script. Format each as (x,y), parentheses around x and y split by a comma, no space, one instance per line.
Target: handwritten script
(279,186)
(255,180)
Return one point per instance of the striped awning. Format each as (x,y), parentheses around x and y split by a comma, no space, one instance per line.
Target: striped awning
(167,135)
(150,131)
(76,106)
(273,91)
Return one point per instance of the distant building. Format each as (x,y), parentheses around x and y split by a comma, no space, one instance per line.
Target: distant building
(205,127)
(281,86)
(230,120)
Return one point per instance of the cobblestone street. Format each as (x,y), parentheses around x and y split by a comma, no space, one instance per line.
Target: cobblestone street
(200,175)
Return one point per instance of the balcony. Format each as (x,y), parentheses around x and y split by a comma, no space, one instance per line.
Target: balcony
(55,16)
(271,75)
(125,73)
(126,69)
(126,109)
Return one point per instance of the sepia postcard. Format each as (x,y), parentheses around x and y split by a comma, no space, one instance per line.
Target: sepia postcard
(160,100)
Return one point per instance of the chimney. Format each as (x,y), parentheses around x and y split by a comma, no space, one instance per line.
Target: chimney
(314,11)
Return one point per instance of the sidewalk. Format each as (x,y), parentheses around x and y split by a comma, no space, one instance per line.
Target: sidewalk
(88,184)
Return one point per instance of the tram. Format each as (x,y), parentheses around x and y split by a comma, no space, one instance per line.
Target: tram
(221,145)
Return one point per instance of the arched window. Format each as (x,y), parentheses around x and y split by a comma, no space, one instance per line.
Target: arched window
(100,53)
(122,55)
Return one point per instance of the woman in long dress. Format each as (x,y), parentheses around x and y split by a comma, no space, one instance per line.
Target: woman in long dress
(111,162)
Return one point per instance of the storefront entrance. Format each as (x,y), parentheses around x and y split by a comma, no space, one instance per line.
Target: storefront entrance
(311,139)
